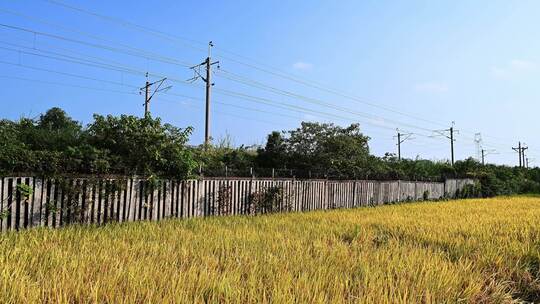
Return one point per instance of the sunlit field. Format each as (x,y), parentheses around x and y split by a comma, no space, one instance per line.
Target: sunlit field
(480,251)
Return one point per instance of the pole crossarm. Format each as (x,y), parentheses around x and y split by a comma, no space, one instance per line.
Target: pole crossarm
(448,133)
(148,95)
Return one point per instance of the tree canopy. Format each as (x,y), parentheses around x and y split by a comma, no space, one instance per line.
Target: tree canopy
(55,144)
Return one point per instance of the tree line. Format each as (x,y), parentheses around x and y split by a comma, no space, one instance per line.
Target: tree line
(55,144)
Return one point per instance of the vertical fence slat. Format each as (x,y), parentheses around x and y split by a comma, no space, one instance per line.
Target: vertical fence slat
(3,204)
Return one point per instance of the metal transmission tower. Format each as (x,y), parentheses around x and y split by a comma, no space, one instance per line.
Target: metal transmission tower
(448,133)
(478,142)
(148,95)
(485,153)
(207,64)
(401,138)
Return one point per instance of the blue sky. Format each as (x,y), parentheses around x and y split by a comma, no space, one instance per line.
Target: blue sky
(413,65)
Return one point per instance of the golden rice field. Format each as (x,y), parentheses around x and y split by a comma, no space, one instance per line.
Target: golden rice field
(471,251)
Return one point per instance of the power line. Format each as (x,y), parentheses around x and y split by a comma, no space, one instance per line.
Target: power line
(220,91)
(136,52)
(190,42)
(132,93)
(172,37)
(226,92)
(65,84)
(148,30)
(22,65)
(144,56)
(315,100)
(131,70)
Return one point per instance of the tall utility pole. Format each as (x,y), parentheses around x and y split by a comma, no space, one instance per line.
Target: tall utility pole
(207,64)
(521,151)
(148,96)
(449,133)
(518,149)
(401,138)
(486,153)
(452,142)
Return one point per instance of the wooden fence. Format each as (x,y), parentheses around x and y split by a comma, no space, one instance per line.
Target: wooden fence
(58,202)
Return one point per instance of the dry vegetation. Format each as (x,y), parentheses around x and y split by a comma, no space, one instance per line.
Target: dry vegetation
(472,251)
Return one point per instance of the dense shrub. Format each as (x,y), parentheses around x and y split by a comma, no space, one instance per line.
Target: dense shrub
(55,144)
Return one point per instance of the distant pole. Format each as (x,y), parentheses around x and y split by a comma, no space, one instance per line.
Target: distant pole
(520,151)
(448,133)
(401,138)
(523,155)
(485,153)
(452,143)
(519,148)
(483,157)
(399,145)
(148,95)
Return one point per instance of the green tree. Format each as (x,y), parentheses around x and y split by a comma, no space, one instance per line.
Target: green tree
(273,154)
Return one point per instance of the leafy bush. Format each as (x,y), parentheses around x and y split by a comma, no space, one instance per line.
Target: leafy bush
(268,200)
(55,144)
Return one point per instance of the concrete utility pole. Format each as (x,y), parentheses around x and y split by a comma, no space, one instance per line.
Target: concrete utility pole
(449,133)
(521,151)
(207,64)
(401,138)
(518,149)
(148,96)
(452,143)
